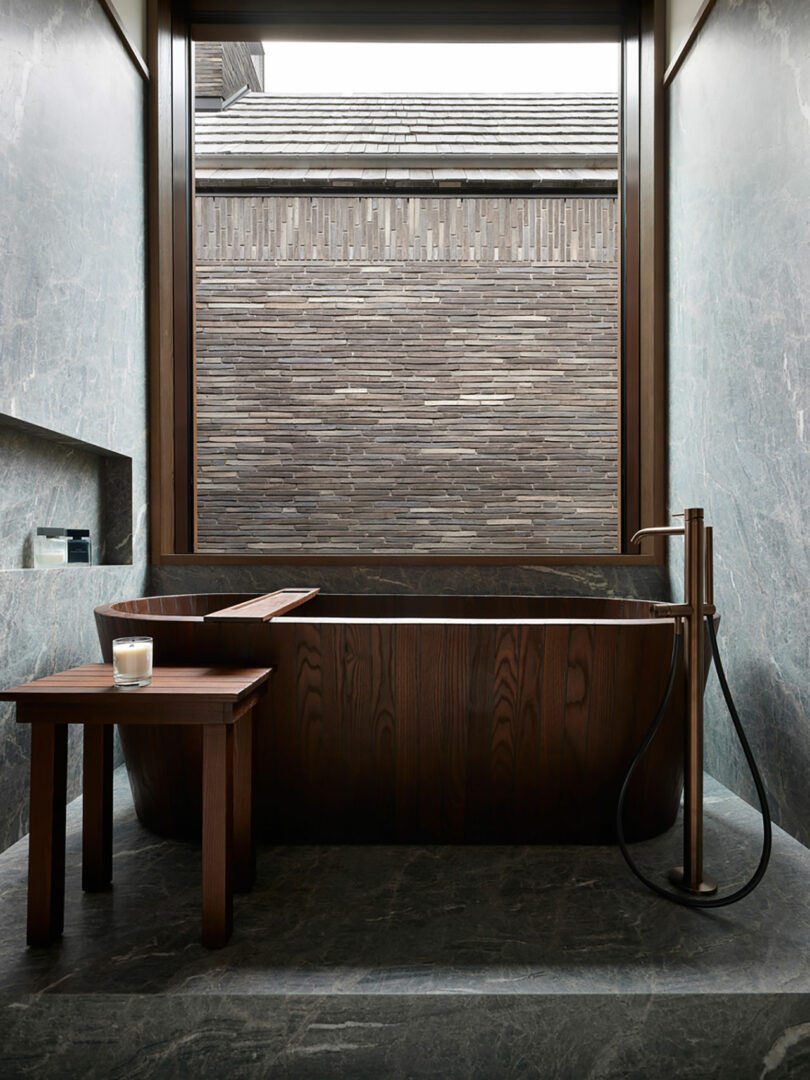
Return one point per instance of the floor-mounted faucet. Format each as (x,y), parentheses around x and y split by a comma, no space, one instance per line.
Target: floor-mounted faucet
(698,602)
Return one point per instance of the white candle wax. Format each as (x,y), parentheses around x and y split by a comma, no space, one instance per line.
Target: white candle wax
(51,558)
(134,660)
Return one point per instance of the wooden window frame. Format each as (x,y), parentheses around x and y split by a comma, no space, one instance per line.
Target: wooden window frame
(173,24)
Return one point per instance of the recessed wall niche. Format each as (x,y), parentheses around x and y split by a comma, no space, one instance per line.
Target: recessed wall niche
(47,478)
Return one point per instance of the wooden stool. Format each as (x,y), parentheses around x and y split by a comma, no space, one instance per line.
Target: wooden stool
(220,700)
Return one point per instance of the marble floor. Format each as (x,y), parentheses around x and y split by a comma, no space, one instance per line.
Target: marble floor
(377,962)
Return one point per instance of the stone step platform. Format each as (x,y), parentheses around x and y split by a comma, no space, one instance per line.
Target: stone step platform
(371,963)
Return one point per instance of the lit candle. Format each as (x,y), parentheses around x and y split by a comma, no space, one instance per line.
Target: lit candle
(132,661)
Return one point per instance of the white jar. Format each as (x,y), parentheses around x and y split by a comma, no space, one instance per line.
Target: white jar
(50,547)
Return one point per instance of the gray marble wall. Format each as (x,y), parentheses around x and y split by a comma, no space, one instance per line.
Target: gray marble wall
(642,581)
(72,321)
(739,362)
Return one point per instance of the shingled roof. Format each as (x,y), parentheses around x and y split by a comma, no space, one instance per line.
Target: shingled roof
(404,141)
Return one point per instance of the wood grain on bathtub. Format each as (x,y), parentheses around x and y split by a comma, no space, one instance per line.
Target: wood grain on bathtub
(427,732)
(406,731)
(279,773)
(479,809)
(456,723)
(528,778)
(356,711)
(552,729)
(383,721)
(603,784)
(309,690)
(502,743)
(431,725)
(574,777)
(335,792)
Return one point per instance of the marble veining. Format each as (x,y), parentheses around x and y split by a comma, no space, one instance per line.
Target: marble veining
(436,1037)
(480,962)
(408,919)
(72,334)
(575,580)
(739,388)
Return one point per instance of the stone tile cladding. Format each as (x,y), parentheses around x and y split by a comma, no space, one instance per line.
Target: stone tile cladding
(406,375)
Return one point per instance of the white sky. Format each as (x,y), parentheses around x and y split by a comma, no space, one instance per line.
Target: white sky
(316,67)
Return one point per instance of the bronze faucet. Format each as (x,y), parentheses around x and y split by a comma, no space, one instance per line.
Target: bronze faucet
(698,583)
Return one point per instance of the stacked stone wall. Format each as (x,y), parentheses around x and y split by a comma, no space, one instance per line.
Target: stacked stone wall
(406,376)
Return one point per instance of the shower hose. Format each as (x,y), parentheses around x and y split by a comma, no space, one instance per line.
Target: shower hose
(751,884)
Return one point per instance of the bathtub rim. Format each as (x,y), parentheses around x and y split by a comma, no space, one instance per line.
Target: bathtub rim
(114,611)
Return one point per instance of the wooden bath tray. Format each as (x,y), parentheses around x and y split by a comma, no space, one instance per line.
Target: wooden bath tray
(262,608)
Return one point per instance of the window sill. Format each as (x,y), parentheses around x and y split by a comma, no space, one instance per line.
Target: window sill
(360,559)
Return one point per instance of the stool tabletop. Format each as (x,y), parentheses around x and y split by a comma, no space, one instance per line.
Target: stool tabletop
(214,684)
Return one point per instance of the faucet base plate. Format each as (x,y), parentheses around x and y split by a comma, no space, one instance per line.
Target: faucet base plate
(705,887)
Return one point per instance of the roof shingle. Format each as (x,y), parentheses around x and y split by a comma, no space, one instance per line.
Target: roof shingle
(266,140)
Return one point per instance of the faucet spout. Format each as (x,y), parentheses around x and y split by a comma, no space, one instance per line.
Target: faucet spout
(658,530)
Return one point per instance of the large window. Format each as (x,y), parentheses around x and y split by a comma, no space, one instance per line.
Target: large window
(400,369)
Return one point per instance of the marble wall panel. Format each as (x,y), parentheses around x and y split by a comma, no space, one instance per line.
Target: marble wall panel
(739,362)
(72,319)
(619,581)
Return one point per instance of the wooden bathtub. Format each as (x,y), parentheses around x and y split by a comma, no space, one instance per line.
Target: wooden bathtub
(424,719)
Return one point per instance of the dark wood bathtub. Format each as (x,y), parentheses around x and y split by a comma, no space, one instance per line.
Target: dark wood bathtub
(425,718)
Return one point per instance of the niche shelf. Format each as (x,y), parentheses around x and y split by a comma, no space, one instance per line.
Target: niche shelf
(48,478)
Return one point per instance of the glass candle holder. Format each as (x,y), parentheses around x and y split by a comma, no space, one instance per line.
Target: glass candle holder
(50,547)
(132,661)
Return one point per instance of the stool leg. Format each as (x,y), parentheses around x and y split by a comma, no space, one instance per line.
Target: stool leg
(217,834)
(46,843)
(97,807)
(244,858)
